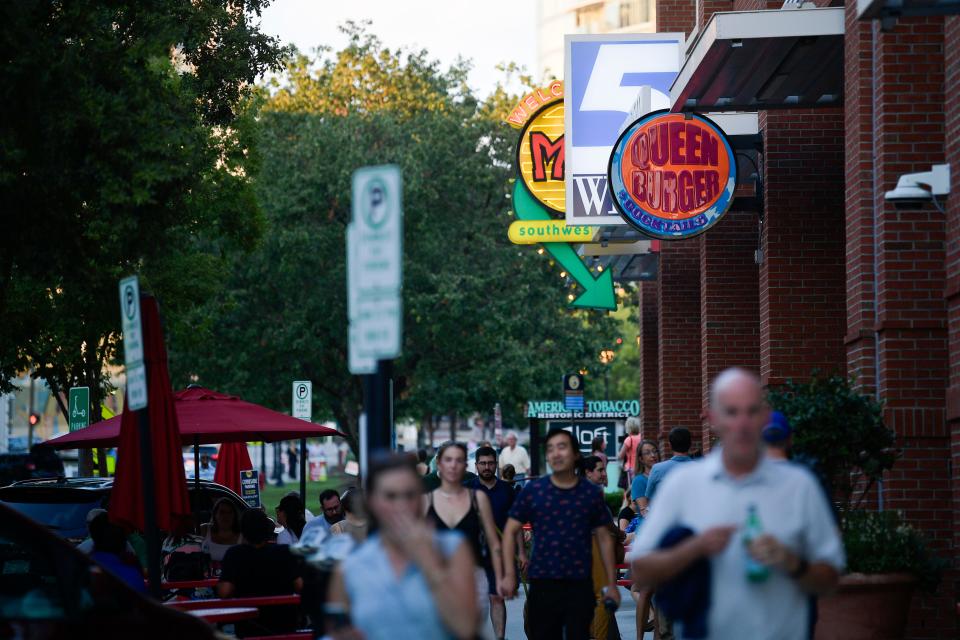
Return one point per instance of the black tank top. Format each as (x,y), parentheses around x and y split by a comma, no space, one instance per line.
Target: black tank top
(469,525)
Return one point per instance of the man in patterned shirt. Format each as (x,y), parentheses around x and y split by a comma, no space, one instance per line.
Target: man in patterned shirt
(565,511)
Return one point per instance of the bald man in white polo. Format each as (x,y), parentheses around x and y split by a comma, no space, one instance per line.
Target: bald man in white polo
(800,543)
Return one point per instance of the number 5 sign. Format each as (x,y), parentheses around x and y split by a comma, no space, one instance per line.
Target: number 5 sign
(608,78)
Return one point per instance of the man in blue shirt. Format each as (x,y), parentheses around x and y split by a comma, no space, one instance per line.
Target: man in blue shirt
(680,443)
(565,511)
(501,495)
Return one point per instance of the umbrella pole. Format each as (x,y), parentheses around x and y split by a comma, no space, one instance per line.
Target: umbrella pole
(303,471)
(196,464)
(149,505)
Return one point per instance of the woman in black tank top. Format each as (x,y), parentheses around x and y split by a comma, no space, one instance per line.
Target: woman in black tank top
(454,507)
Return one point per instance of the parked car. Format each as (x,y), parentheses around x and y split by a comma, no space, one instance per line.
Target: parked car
(39,462)
(50,590)
(61,504)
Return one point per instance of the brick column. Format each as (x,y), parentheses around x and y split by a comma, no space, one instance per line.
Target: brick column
(676,16)
(858,120)
(706,9)
(679,333)
(802,276)
(911,315)
(649,348)
(729,304)
(951,86)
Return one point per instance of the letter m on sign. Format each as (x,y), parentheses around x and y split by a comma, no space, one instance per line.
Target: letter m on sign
(544,151)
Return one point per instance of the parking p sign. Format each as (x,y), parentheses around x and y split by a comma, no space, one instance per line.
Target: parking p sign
(303,400)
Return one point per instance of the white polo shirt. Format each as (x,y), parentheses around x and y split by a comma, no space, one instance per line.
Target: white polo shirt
(791,507)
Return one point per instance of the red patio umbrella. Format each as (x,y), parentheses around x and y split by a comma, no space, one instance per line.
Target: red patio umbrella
(232,459)
(206,417)
(170,484)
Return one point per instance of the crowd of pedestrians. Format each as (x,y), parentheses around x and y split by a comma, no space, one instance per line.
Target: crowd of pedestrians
(735,545)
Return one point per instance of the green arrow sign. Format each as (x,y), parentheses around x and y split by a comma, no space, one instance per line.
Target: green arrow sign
(598,292)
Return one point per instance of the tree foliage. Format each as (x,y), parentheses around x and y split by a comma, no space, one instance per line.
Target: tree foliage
(125,143)
(484,320)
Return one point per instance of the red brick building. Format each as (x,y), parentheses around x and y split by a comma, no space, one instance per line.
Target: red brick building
(848,281)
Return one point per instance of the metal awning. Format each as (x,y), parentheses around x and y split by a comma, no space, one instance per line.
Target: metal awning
(755,60)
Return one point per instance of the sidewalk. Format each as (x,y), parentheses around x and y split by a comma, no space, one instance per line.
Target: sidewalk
(625,618)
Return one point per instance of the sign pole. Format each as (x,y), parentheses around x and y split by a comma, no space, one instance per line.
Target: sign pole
(377,407)
(149,505)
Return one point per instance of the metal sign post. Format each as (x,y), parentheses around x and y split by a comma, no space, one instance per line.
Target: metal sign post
(374,301)
(303,409)
(137,401)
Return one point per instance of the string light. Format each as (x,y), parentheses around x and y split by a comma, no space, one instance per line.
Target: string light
(563,274)
(570,297)
(540,250)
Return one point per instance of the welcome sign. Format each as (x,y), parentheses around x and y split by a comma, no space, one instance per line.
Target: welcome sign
(672,175)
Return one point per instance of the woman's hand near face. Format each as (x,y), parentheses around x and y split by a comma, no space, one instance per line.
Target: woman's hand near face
(414,536)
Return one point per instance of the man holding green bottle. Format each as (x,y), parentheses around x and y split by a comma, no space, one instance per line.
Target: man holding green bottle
(766,528)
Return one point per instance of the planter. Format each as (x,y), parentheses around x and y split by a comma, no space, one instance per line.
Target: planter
(867,607)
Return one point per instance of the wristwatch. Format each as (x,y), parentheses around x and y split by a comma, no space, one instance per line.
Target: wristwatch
(801,569)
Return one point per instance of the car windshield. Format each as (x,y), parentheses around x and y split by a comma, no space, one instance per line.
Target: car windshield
(68,519)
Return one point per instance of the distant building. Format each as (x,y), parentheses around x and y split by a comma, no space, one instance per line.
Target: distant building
(556,18)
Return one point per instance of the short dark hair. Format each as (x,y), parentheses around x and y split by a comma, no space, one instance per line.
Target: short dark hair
(598,443)
(557,431)
(353,501)
(590,463)
(382,462)
(484,451)
(679,439)
(255,527)
(107,537)
(326,494)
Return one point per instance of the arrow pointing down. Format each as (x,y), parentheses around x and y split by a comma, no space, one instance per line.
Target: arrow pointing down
(598,292)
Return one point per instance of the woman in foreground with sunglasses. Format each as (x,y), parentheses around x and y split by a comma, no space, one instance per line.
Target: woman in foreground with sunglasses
(407,580)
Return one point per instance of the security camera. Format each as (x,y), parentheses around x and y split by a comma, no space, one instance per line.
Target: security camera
(923,186)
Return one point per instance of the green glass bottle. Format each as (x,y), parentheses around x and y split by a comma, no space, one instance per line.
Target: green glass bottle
(752,530)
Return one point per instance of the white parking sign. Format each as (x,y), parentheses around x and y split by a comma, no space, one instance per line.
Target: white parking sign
(303,400)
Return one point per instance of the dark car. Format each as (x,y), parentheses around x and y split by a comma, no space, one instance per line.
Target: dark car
(48,589)
(62,504)
(39,462)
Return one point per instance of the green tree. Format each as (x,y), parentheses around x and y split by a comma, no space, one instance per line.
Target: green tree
(126,149)
(484,320)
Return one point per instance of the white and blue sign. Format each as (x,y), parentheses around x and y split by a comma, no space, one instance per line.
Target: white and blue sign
(610,80)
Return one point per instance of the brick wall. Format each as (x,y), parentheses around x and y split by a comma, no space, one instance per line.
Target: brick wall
(649,360)
(706,9)
(679,337)
(676,16)
(858,120)
(896,340)
(952,268)
(729,303)
(802,276)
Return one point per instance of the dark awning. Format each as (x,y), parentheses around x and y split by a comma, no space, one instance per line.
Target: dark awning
(755,60)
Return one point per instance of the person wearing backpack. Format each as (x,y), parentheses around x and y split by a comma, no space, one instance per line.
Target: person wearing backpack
(452,506)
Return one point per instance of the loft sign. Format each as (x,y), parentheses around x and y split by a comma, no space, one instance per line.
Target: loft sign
(672,175)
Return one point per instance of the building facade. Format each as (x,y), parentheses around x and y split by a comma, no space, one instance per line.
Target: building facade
(556,18)
(849,281)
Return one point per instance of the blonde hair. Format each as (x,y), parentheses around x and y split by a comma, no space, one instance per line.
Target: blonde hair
(633,425)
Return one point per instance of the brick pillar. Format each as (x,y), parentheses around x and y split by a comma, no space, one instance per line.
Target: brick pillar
(729,304)
(858,120)
(679,333)
(676,16)
(951,86)
(911,315)
(802,276)
(706,9)
(649,360)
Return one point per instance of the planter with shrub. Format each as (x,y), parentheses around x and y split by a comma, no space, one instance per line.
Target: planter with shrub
(840,434)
